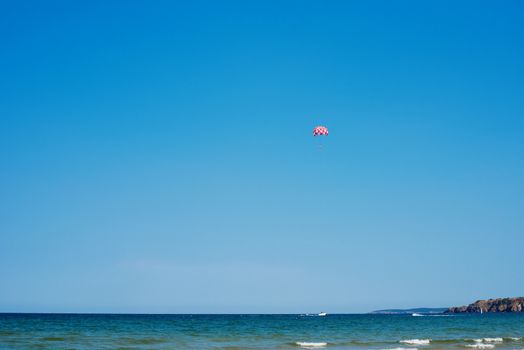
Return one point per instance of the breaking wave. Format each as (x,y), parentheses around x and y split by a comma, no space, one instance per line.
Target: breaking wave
(310,345)
(480,346)
(489,340)
(416,341)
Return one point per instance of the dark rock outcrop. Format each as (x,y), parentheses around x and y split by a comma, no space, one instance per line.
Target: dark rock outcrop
(491,305)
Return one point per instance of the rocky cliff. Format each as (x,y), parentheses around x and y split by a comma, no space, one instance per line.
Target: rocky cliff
(491,305)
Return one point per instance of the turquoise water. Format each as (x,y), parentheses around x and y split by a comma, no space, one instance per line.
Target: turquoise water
(75,331)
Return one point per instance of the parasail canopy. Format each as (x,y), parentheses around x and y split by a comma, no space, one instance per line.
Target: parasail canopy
(320,131)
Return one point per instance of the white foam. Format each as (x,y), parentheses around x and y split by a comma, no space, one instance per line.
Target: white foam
(416,314)
(514,338)
(488,340)
(480,346)
(401,349)
(416,341)
(304,344)
(493,340)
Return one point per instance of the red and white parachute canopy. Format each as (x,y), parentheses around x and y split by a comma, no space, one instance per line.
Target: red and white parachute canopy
(320,130)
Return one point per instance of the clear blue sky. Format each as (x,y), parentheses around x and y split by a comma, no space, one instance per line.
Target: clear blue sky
(159,157)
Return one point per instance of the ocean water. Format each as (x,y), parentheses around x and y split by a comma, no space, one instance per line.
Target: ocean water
(78,331)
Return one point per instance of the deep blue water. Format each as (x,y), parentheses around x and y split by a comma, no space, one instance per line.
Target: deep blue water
(78,331)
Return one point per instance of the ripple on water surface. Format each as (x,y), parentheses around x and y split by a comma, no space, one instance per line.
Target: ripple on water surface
(255,332)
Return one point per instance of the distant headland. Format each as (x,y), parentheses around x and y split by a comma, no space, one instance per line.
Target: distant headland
(490,305)
(479,306)
(418,310)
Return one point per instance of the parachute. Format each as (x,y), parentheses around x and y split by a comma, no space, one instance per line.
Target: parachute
(320,131)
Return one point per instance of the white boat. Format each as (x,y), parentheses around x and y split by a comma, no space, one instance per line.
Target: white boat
(322,314)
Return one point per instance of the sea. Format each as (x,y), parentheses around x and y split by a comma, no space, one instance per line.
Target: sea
(235,332)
